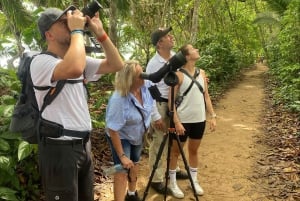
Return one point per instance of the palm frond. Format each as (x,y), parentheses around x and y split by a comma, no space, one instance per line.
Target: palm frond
(278,6)
(269,18)
(17,17)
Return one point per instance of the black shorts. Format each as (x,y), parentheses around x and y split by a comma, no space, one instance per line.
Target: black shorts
(193,131)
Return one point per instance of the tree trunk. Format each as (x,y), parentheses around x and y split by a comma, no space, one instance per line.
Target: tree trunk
(261,33)
(195,22)
(113,34)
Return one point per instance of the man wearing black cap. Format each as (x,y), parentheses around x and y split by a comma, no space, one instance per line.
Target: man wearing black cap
(64,139)
(163,42)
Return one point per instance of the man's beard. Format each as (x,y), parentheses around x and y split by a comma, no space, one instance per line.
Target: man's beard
(65,42)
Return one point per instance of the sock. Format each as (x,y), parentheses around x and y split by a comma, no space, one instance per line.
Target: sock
(172,174)
(130,192)
(193,172)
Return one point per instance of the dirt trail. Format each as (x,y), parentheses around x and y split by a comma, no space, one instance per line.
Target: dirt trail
(228,155)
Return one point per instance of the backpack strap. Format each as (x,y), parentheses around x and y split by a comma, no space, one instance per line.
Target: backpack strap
(53,91)
(193,78)
(85,85)
(52,94)
(40,88)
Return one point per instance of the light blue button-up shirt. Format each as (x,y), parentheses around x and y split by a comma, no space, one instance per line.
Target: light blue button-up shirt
(122,115)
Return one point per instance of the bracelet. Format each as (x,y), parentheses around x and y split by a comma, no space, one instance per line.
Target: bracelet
(102,38)
(75,31)
(123,155)
(214,115)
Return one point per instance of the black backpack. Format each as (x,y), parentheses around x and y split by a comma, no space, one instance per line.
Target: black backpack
(25,117)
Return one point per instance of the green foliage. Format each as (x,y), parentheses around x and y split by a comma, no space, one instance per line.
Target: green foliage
(7,194)
(100,92)
(30,35)
(267,18)
(289,37)
(280,6)
(288,86)
(219,59)
(285,61)
(18,161)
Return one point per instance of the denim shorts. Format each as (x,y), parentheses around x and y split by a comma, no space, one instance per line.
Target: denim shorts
(133,152)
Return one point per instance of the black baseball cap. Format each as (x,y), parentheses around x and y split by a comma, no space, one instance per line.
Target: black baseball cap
(49,16)
(158,34)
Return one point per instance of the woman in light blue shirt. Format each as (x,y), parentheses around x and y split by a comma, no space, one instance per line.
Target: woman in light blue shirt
(128,116)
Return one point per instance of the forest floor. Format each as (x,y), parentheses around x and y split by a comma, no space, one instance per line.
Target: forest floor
(254,154)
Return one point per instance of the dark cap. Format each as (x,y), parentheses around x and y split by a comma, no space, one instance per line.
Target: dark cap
(158,34)
(49,17)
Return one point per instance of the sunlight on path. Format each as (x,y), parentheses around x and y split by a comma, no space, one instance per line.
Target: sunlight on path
(228,155)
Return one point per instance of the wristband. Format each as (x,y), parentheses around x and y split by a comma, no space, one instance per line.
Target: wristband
(102,38)
(75,31)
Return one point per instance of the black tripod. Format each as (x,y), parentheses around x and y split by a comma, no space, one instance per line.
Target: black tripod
(170,79)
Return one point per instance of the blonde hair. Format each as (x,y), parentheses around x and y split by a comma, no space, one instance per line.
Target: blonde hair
(124,78)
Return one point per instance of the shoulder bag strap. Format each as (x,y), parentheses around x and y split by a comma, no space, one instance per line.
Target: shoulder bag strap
(140,114)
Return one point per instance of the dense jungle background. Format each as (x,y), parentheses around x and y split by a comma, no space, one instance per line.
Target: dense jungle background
(232,35)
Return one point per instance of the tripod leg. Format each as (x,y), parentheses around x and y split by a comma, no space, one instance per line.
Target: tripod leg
(186,166)
(160,151)
(168,161)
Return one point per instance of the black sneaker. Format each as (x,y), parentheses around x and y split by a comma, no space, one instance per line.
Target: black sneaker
(181,175)
(134,197)
(159,187)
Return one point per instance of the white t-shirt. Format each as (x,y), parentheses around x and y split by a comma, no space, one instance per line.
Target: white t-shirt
(70,107)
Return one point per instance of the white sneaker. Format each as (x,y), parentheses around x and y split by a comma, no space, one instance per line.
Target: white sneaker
(175,190)
(198,188)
